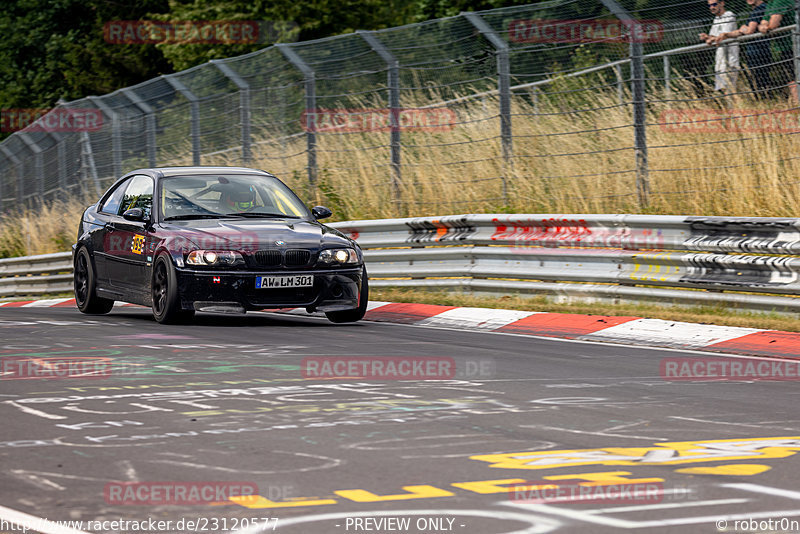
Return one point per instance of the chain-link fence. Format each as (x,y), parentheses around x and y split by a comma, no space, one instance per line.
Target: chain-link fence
(563,106)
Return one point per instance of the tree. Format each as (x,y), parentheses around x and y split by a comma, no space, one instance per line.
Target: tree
(54,49)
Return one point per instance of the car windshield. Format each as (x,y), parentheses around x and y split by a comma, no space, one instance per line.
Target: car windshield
(209,196)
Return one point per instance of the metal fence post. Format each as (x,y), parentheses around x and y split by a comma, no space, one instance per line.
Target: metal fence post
(244,106)
(503,88)
(3,174)
(62,167)
(639,123)
(620,84)
(194,107)
(311,107)
(667,80)
(116,135)
(393,83)
(150,123)
(796,47)
(61,158)
(638,93)
(38,166)
(18,165)
(87,162)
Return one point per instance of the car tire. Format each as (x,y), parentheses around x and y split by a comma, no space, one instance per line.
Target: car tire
(164,290)
(85,286)
(356,314)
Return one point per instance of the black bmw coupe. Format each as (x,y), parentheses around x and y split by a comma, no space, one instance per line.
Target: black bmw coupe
(224,239)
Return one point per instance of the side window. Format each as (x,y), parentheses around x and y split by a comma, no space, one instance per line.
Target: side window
(112,203)
(139,194)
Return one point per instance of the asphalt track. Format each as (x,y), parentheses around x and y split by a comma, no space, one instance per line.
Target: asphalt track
(225,401)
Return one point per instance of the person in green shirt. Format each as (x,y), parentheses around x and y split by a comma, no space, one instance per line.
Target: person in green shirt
(781,13)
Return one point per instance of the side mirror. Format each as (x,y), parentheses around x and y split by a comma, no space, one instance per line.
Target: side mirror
(321,212)
(134,214)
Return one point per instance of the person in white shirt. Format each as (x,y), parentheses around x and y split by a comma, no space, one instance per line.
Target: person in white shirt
(726,66)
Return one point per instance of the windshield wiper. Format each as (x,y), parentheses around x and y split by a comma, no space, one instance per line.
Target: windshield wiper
(256,214)
(198,216)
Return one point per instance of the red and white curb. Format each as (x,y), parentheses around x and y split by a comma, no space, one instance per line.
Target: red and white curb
(623,330)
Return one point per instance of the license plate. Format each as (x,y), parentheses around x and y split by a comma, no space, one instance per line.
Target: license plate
(267,282)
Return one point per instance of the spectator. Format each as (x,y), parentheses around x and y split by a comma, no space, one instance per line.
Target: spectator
(757,51)
(726,65)
(781,13)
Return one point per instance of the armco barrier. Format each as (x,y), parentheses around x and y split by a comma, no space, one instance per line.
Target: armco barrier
(36,275)
(751,263)
(605,257)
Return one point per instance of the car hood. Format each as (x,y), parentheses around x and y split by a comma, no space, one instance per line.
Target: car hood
(254,234)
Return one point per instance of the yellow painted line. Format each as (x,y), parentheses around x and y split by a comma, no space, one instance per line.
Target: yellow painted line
(605,478)
(672,453)
(414,492)
(663,454)
(486,487)
(257,502)
(746,470)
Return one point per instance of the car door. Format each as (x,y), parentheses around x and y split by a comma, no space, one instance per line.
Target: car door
(127,260)
(103,241)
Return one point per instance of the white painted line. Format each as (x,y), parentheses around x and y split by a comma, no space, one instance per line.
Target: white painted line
(44,303)
(581,515)
(33,411)
(665,506)
(669,333)
(757,488)
(536,524)
(36,524)
(590,516)
(475,318)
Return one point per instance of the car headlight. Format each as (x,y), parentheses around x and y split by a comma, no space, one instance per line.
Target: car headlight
(214,257)
(338,256)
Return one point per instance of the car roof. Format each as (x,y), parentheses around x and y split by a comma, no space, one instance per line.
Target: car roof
(181,171)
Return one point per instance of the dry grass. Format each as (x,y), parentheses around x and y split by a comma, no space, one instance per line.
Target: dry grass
(565,162)
(50,228)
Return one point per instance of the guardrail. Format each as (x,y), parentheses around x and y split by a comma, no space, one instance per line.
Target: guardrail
(751,263)
(729,261)
(36,275)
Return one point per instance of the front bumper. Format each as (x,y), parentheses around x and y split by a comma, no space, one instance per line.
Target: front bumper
(333,290)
